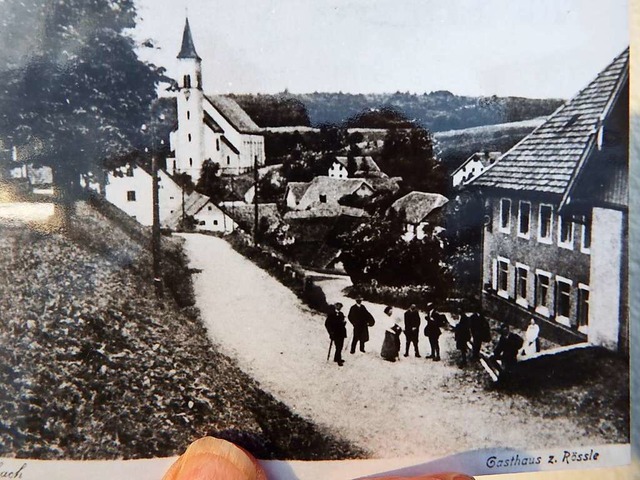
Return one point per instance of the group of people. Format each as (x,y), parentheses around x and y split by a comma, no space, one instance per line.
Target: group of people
(472,329)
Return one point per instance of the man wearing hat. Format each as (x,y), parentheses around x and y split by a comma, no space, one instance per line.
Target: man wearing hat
(361,320)
(336,327)
(411,329)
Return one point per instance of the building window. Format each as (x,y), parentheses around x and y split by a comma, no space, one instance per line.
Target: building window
(522,275)
(228,160)
(505,215)
(545,224)
(503,277)
(323,198)
(563,301)
(218,144)
(209,208)
(543,282)
(565,232)
(583,308)
(188,115)
(585,241)
(187,81)
(524,219)
(189,136)
(131,196)
(191,162)
(215,222)
(174,164)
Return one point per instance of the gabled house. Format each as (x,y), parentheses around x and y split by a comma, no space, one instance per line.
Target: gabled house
(472,167)
(130,188)
(414,210)
(556,232)
(324,190)
(363,166)
(210,127)
(207,216)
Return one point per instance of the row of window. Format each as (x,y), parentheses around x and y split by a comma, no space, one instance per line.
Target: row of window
(551,296)
(546,217)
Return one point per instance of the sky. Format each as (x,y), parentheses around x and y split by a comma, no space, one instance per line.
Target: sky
(529,48)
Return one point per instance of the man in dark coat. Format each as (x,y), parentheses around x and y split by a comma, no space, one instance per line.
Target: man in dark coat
(432,332)
(361,320)
(480,332)
(463,335)
(336,326)
(507,348)
(411,329)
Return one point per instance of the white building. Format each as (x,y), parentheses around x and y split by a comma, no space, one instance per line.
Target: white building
(414,210)
(364,166)
(210,127)
(472,167)
(130,188)
(207,216)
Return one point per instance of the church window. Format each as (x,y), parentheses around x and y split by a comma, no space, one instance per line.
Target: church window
(189,136)
(188,115)
(187,81)
(228,160)
(131,196)
(217,144)
(191,162)
(174,164)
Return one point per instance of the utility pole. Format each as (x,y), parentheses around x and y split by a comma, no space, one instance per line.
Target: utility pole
(155,228)
(155,232)
(255,200)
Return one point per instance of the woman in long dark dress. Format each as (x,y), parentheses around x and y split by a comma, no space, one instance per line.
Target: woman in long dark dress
(391,344)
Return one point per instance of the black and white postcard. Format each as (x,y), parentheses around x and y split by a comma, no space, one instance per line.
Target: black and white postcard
(393,234)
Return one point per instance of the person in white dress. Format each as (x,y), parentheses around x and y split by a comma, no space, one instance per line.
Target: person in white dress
(531,338)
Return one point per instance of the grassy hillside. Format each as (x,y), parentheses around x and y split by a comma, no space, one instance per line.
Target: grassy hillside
(92,366)
(455,146)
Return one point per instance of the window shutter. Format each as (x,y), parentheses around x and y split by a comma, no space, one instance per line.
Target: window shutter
(494,274)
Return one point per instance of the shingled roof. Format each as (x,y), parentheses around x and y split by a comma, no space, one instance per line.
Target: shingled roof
(234,114)
(550,158)
(414,207)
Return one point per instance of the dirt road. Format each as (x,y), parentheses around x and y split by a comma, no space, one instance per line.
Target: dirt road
(414,407)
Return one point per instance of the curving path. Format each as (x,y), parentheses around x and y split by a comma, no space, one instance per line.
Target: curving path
(412,408)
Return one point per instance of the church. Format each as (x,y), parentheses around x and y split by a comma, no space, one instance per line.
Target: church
(209,127)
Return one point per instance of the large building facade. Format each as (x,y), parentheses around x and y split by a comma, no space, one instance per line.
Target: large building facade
(556,232)
(209,127)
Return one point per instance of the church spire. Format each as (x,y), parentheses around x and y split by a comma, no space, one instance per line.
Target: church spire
(188,50)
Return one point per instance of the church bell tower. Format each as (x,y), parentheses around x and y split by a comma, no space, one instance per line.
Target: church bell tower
(190,134)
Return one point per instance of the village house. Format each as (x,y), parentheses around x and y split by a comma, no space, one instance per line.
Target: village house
(206,216)
(414,210)
(130,188)
(472,167)
(363,166)
(324,190)
(209,127)
(556,232)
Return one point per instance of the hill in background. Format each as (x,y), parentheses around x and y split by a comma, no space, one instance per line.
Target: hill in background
(435,111)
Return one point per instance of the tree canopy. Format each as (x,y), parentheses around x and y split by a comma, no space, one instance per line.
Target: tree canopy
(81,94)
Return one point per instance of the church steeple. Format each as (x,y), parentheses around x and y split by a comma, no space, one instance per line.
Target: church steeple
(188,49)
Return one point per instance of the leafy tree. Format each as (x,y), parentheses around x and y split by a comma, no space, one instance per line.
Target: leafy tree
(82,93)
(210,183)
(374,250)
(409,153)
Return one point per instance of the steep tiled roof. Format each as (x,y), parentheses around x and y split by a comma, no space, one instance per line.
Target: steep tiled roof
(233,113)
(332,190)
(193,203)
(549,159)
(485,158)
(414,207)
(364,164)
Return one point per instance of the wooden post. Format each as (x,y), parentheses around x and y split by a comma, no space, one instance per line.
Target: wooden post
(155,232)
(255,200)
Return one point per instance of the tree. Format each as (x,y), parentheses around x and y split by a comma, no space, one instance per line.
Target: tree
(82,92)
(409,153)
(210,183)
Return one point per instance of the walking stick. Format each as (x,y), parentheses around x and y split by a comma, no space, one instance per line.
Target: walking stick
(329,352)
